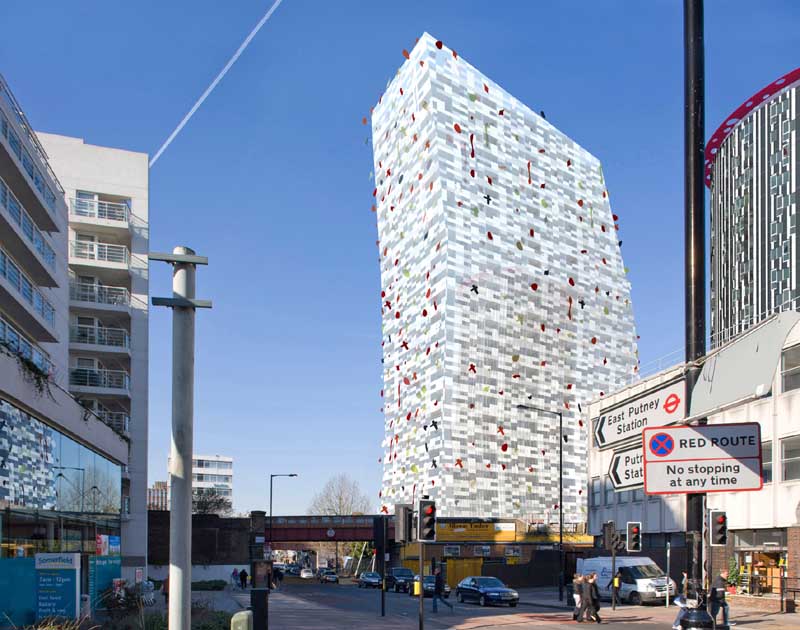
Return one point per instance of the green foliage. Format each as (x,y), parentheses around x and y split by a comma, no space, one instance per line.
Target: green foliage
(56,624)
(209,585)
(733,571)
(212,620)
(155,621)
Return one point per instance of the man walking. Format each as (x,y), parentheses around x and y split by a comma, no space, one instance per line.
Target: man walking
(615,582)
(243,578)
(577,589)
(717,597)
(438,591)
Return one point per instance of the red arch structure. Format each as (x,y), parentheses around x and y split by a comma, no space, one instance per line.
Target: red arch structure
(722,132)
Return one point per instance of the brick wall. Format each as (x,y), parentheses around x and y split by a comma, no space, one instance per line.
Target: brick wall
(215,540)
(793,551)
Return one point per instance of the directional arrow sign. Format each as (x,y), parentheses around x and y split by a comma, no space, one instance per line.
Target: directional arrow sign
(627,469)
(626,420)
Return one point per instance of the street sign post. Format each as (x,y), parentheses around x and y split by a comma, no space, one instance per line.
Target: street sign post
(625,421)
(627,468)
(708,458)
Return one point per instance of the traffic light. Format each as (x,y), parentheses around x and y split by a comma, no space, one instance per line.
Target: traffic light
(634,539)
(427,521)
(608,535)
(402,519)
(719,528)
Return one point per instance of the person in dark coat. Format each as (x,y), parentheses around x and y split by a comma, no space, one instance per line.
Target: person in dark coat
(243,578)
(614,584)
(438,591)
(584,588)
(717,597)
(593,611)
(577,586)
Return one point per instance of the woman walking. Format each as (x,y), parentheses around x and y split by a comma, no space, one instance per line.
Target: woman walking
(577,587)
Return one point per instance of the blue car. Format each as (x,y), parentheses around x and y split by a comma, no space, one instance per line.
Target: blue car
(485,591)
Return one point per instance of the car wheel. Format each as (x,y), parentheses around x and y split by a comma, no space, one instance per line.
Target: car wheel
(396,588)
(635,599)
(513,604)
(460,598)
(482,600)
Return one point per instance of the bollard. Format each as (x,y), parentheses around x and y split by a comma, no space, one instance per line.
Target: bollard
(698,619)
(242,620)
(259,604)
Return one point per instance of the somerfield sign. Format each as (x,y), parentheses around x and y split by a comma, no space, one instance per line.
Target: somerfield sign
(625,421)
(709,458)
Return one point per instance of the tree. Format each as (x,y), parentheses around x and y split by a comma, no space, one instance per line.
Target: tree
(340,496)
(210,501)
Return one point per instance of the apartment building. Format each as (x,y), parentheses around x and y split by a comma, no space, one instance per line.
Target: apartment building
(157,497)
(61,464)
(211,472)
(106,192)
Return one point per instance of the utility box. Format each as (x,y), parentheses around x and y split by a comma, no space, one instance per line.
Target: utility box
(242,620)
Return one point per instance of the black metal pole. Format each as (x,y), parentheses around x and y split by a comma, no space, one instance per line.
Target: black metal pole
(694,261)
(421,582)
(382,560)
(562,557)
(271,477)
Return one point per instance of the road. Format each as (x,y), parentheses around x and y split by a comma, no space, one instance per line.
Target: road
(306,606)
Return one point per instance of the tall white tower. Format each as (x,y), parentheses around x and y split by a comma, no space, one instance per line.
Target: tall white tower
(502,285)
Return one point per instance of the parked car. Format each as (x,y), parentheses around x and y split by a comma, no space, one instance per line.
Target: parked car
(485,591)
(369,579)
(306,574)
(292,569)
(642,579)
(429,586)
(328,575)
(399,579)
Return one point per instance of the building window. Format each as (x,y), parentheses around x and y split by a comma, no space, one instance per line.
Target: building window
(790,368)
(790,458)
(609,491)
(638,494)
(766,462)
(596,492)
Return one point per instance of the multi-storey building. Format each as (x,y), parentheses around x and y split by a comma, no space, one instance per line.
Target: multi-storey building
(157,497)
(504,297)
(107,198)
(212,472)
(60,463)
(753,170)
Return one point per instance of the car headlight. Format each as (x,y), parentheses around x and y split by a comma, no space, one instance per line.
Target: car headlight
(514,594)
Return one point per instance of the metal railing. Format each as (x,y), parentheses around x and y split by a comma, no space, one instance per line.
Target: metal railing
(26,224)
(119,420)
(100,336)
(99,294)
(106,252)
(26,288)
(95,209)
(112,379)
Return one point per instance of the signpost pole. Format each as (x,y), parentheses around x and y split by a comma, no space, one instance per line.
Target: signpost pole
(421,582)
(382,551)
(694,255)
(666,597)
(613,573)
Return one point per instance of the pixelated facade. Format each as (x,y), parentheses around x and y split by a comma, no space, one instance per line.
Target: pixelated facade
(752,170)
(502,285)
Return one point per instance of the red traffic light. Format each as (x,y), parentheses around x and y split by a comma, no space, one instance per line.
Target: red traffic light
(635,530)
(429,510)
(721,519)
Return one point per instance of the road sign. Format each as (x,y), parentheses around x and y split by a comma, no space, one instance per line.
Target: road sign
(627,469)
(709,458)
(625,421)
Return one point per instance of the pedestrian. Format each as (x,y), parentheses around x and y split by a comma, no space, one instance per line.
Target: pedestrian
(586,598)
(165,590)
(593,595)
(438,590)
(243,578)
(577,586)
(680,601)
(278,577)
(235,577)
(614,583)
(717,597)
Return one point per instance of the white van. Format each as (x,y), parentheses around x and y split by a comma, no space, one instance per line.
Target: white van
(642,579)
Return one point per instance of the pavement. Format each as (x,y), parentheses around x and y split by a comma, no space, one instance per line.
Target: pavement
(315,606)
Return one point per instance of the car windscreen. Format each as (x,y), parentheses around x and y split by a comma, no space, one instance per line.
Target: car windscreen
(402,572)
(644,571)
(371,575)
(489,582)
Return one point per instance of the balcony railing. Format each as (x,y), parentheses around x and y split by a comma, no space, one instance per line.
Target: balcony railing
(98,294)
(95,209)
(111,379)
(116,419)
(26,288)
(106,252)
(100,336)
(26,224)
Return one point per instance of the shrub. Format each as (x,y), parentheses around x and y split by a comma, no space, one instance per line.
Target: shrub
(212,620)
(209,585)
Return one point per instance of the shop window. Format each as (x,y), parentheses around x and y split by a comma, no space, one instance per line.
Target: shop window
(790,368)
(766,463)
(790,458)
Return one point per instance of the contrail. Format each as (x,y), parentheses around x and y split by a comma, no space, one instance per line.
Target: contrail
(214,83)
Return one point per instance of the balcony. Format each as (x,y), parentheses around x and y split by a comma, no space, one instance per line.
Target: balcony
(24,303)
(24,240)
(97,213)
(99,381)
(101,297)
(93,257)
(99,338)
(116,419)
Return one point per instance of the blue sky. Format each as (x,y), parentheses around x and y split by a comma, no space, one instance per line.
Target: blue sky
(270,179)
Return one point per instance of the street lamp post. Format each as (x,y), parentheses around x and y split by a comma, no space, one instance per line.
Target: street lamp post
(562,557)
(271,477)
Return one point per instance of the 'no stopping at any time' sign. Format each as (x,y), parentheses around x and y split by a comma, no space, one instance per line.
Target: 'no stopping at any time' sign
(709,458)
